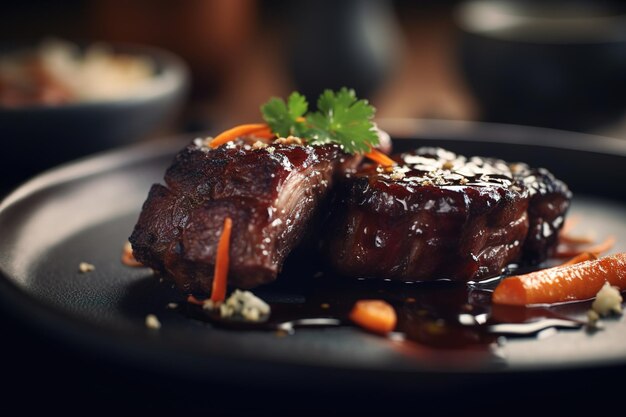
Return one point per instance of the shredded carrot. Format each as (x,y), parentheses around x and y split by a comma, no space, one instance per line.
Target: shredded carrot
(579,281)
(566,237)
(258,129)
(575,240)
(191,299)
(374,315)
(569,251)
(379,157)
(585,256)
(569,224)
(265,134)
(220,276)
(128,258)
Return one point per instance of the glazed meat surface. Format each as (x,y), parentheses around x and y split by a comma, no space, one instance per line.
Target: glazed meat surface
(438,215)
(271,194)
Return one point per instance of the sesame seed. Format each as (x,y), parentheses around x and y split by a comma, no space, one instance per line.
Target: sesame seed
(259,145)
(152,322)
(85,267)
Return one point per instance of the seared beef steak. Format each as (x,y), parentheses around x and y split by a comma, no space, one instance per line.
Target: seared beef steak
(439,215)
(271,194)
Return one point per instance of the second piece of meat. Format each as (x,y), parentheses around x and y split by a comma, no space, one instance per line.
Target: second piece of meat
(438,215)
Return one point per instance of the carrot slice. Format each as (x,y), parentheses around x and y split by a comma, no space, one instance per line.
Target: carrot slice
(597,249)
(237,131)
(374,315)
(220,276)
(585,256)
(579,281)
(380,158)
(128,258)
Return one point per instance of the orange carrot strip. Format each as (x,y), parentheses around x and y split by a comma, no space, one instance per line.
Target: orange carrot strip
(374,315)
(236,132)
(583,257)
(264,133)
(193,300)
(580,281)
(128,258)
(569,224)
(575,240)
(220,276)
(380,158)
(597,249)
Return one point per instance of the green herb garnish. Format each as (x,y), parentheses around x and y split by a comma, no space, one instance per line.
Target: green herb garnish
(340,118)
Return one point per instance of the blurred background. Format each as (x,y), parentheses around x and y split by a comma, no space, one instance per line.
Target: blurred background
(556,64)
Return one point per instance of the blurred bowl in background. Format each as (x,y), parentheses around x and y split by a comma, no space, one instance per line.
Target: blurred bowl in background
(38,135)
(559,64)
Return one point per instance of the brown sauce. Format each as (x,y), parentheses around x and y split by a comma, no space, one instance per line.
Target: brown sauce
(439,314)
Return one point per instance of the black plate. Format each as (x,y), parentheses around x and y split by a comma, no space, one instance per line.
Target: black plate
(85,211)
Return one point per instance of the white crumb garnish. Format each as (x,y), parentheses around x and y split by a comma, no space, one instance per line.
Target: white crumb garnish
(152,322)
(608,301)
(85,267)
(592,319)
(259,145)
(208,304)
(241,304)
(202,142)
(398,173)
(289,140)
(270,149)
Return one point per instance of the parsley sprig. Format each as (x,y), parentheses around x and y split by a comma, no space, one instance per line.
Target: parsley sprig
(340,118)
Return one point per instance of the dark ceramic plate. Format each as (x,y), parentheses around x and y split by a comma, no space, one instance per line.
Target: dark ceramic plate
(85,211)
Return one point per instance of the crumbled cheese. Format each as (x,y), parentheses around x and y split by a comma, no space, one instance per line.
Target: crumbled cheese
(202,143)
(290,140)
(448,165)
(152,322)
(241,304)
(85,267)
(270,149)
(608,300)
(259,145)
(592,319)
(398,173)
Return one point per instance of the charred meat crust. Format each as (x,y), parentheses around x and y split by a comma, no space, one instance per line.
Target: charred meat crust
(442,216)
(271,194)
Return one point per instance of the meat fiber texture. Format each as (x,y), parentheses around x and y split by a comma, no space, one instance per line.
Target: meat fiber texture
(438,215)
(271,193)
